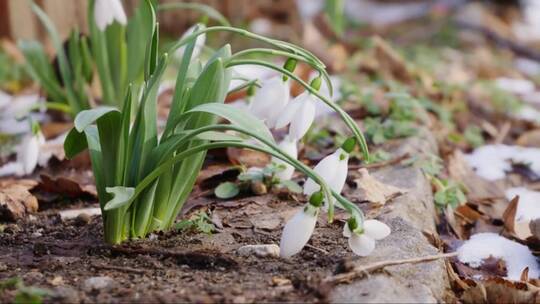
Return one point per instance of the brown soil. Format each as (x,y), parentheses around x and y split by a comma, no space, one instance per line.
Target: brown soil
(175,267)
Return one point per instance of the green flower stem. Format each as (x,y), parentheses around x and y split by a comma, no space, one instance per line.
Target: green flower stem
(205,9)
(276,43)
(58,106)
(271,52)
(348,120)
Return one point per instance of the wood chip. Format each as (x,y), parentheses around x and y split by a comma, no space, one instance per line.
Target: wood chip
(16,201)
(375,191)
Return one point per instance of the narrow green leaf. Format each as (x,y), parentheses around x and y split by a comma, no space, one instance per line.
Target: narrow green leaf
(236,116)
(121,197)
(74,143)
(88,117)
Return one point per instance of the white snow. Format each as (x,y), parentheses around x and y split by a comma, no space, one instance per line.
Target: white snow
(528,207)
(515,85)
(493,161)
(516,256)
(529,29)
(528,113)
(527,66)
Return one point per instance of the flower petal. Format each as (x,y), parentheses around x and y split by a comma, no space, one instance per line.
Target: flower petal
(376,229)
(346,230)
(326,169)
(296,233)
(28,153)
(103,14)
(271,94)
(361,245)
(288,146)
(290,112)
(118,12)
(337,181)
(278,104)
(303,119)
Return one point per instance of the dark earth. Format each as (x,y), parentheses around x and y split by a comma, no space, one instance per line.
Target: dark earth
(177,266)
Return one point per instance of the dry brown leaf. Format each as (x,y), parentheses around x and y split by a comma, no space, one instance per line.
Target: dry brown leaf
(488,196)
(372,190)
(509,215)
(16,200)
(247,158)
(529,139)
(499,290)
(66,186)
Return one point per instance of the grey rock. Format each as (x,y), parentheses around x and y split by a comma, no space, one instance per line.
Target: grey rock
(267,250)
(407,215)
(98,283)
(65,294)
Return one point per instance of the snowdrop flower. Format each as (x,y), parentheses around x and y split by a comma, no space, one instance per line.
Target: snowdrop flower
(332,169)
(27,155)
(299,228)
(300,114)
(288,146)
(199,42)
(107,11)
(270,100)
(362,239)
(28,152)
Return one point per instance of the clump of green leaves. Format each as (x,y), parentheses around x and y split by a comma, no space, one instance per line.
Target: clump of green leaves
(24,294)
(144,178)
(258,181)
(117,54)
(379,131)
(199,222)
(502,101)
(400,122)
(449,193)
(13,75)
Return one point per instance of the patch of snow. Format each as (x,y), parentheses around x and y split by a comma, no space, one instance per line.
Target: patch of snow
(529,29)
(527,66)
(484,245)
(528,207)
(515,85)
(493,161)
(382,14)
(528,113)
(308,9)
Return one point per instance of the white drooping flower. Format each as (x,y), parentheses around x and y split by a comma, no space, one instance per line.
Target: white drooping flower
(299,228)
(288,146)
(362,242)
(27,156)
(299,113)
(28,152)
(270,100)
(332,169)
(107,11)
(199,42)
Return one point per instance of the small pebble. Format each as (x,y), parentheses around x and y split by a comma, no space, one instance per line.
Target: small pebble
(83,219)
(266,250)
(98,283)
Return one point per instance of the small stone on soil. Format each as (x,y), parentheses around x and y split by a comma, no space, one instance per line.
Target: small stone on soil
(267,250)
(98,283)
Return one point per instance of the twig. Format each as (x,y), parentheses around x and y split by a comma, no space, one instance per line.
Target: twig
(515,47)
(380,164)
(317,249)
(119,268)
(363,270)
